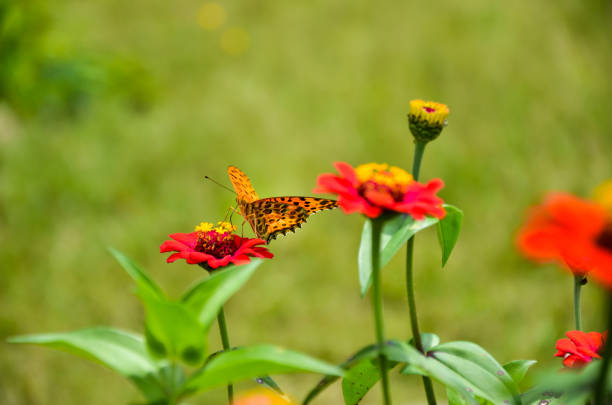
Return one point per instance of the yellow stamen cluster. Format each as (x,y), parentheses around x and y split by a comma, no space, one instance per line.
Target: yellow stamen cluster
(383,174)
(603,195)
(430,111)
(222,227)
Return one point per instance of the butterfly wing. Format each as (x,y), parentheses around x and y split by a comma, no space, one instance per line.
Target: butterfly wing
(270,216)
(245,192)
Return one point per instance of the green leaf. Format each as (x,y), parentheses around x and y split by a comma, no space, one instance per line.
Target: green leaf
(142,280)
(367,352)
(448,230)
(395,232)
(268,382)
(431,367)
(251,362)
(428,340)
(360,379)
(475,354)
(173,331)
(490,387)
(454,398)
(571,387)
(120,351)
(206,298)
(518,368)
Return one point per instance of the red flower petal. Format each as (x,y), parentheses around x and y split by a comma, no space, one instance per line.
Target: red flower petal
(564,228)
(347,172)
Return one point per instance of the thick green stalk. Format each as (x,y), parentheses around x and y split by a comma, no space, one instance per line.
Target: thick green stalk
(577,289)
(377,307)
(226,346)
(600,395)
(419,149)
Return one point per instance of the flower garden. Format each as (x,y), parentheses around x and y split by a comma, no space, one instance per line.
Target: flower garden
(397,250)
(575,233)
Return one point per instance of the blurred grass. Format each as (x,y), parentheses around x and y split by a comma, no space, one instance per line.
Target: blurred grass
(528,88)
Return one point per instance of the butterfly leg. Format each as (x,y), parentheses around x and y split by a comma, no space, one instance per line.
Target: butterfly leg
(231,211)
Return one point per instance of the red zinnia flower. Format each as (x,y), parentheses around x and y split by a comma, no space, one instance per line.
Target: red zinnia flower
(581,347)
(571,231)
(373,188)
(212,248)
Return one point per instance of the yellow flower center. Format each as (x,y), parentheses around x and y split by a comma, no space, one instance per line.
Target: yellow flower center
(383,174)
(222,227)
(430,111)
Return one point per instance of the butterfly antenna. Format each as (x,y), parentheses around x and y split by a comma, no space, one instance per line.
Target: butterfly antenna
(219,184)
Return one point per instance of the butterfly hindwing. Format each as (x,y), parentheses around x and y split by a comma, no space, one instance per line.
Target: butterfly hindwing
(270,216)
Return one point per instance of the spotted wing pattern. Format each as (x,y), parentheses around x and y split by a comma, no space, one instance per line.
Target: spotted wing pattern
(274,215)
(245,193)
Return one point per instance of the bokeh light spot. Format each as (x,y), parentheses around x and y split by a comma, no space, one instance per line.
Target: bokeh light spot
(235,41)
(211,16)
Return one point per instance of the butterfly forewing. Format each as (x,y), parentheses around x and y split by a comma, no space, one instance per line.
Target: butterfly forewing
(270,216)
(242,185)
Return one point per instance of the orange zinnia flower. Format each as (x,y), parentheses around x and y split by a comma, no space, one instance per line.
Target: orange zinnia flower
(571,231)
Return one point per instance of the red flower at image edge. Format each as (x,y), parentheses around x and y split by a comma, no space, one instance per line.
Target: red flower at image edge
(214,247)
(580,348)
(373,188)
(571,231)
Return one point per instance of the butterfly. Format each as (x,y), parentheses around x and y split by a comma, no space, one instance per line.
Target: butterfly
(273,215)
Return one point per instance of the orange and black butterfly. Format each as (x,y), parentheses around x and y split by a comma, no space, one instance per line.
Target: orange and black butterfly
(273,215)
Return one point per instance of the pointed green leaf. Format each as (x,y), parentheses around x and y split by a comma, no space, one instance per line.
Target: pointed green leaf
(364,353)
(395,232)
(172,331)
(477,355)
(448,230)
(206,298)
(490,387)
(268,382)
(140,277)
(360,379)
(120,351)
(518,368)
(429,366)
(251,362)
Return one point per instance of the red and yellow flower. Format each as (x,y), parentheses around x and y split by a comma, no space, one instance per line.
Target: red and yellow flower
(213,247)
(570,231)
(580,348)
(374,188)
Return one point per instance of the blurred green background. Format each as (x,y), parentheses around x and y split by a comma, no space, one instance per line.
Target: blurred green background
(153,95)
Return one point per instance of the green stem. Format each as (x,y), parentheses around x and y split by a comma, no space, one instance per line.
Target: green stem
(419,150)
(577,289)
(226,346)
(377,307)
(600,395)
